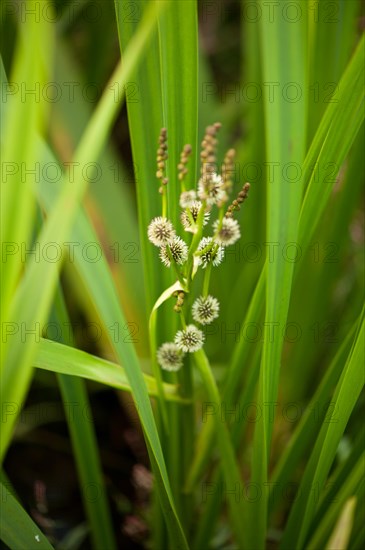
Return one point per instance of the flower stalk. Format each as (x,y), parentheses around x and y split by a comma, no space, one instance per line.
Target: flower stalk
(206,252)
(207,228)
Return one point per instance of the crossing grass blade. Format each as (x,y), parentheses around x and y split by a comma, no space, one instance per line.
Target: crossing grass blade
(17,529)
(82,433)
(62,359)
(145,121)
(110,200)
(336,133)
(309,425)
(236,430)
(352,488)
(318,272)
(332,39)
(22,116)
(87,460)
(231,473)
(344,400)
(179,75)
(338,480)
(342,531)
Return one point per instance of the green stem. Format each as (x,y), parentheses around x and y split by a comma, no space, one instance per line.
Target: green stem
(195,241)
(188,435)
(156,369)
(174,444)
(183,322)
(176,269)
(180,277)
(207,274)
(164,203)
(84,443)
(231,473)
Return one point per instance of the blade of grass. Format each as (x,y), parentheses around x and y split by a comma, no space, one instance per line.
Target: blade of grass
(338,479)
(23,114)
(343,527)
(231,473)
(347,392)
(56,357)
(284,60)
(251,154)
(110,197)
(342,532)
(336,133)
(145,122)
(84,443)
(17,529)
(358,533)
(310,422)
(210,514)
(88,464)
(354,485)
(321,276)
(179,77)
(331,43)
(178,41)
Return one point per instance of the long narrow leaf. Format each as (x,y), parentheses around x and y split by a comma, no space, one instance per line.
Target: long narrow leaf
(17,529)
(284,60)
(311,421)
(344,400)
(56,357)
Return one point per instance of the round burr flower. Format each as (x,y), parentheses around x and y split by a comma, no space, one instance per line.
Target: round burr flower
(209,252)
(229,232)
(212,189)
(205,310)
(176,249)
(190,339)
(189,218)
(160,231)
(187,198)
(170,357)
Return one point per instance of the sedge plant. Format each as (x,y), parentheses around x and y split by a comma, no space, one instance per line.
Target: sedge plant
(245,381)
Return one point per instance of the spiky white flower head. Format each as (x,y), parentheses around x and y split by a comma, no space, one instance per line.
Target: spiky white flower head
(178,250)
(189,218)
(190,339)
(212,252)
(160,231)
(205,309)
(170,357)
(212,189)
(229,232)
(187,198)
